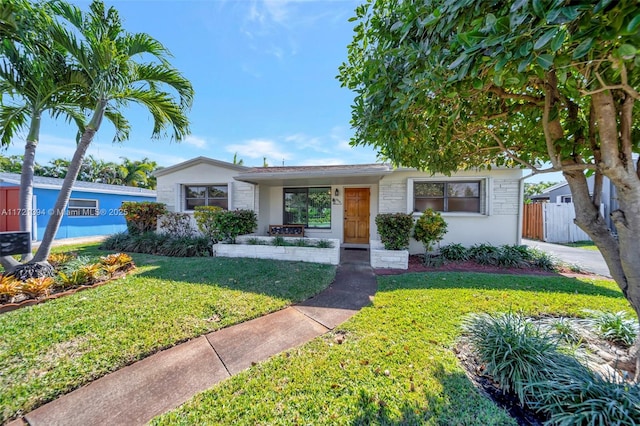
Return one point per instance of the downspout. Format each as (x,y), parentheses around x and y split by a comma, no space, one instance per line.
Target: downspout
(520,208)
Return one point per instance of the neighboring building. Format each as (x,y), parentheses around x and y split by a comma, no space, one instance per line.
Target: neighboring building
(560,193)
(343,201)
(94,208)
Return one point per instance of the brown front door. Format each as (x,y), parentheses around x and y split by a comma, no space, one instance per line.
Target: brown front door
(356,215)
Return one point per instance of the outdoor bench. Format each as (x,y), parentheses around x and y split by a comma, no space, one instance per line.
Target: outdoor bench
(286,230)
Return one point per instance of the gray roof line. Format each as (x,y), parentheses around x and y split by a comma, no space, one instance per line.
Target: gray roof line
(79,185)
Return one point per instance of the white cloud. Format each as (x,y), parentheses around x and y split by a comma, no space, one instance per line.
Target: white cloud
(302,141)
(259,148)
(196,141)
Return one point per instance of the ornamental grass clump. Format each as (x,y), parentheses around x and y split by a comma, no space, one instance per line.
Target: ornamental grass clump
(454,252)
(394,230)
(615,327)
(528,361)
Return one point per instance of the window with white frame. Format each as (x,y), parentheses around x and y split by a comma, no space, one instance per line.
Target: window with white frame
(206,195)
(448,196)
(82,207)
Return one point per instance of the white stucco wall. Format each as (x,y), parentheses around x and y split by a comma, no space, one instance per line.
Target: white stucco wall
(171,186)
(500,203)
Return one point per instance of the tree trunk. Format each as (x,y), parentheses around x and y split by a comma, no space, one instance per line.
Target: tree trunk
(26,179)
(69,180)
(621,254)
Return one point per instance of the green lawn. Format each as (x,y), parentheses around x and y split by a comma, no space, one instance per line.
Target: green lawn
(396,365)
(52,348)
(587,245)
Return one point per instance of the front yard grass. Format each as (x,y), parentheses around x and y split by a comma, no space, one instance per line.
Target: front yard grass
(54,347)
(586,245)
(396,364)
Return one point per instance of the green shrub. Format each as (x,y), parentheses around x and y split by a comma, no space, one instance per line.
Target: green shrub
(301,242)
(187,246)
(142,216)
(394,230)
(223,225)
(429,229)
(205,217)
(324,244)
(233,223)
(176,225)
(279,241)
(454,252)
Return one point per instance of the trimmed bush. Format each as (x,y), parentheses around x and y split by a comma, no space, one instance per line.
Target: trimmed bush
(205,217)
(142,216)
(394,230)
(233,223)
(429,229)
(176,225)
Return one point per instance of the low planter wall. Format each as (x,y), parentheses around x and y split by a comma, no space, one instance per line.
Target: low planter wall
(387,259)
(329,256)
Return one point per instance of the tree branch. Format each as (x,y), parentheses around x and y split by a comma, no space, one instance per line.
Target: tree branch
(626,124)
(509,153)
(552,129)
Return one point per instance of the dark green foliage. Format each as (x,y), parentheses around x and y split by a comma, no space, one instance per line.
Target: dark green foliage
(324,244)
(159,244)
(225,225)
(394,230)
(279,241)
(454,252)
(233,223)
(142,216)
(485,254)
(525,360)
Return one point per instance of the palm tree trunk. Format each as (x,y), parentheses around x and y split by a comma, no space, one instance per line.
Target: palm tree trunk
(26,179)
(69,180)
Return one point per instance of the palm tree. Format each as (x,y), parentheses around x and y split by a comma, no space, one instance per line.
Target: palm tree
(35,79)
(111,59)
(137,173)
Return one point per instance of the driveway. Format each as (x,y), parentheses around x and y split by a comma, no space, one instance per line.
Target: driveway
(587,260)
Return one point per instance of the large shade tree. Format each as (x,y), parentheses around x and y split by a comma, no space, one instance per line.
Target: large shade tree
(120,68)
(550,85)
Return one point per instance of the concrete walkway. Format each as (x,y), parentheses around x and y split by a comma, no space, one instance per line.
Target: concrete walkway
(135,394)
(587,260)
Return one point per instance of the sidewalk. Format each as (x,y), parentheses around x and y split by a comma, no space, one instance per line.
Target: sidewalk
(588,260)
(135,394)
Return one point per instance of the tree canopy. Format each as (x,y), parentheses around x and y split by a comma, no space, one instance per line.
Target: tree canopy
(444,85)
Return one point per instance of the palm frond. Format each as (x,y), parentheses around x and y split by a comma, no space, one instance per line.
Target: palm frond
(164,110)
(120,123)
(12,119)
(155,73)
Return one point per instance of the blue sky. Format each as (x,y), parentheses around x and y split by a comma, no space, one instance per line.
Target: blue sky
(264,77)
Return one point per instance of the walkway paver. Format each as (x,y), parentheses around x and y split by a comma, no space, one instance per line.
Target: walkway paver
(253,341)
(587,260)
(135,394)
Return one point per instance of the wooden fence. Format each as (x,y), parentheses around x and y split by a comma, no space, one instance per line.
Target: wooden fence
(551,222)
(532,222)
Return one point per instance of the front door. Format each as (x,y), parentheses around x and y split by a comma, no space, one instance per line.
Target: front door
(356,215)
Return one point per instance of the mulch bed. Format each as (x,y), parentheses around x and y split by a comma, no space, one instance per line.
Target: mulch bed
(417,265)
